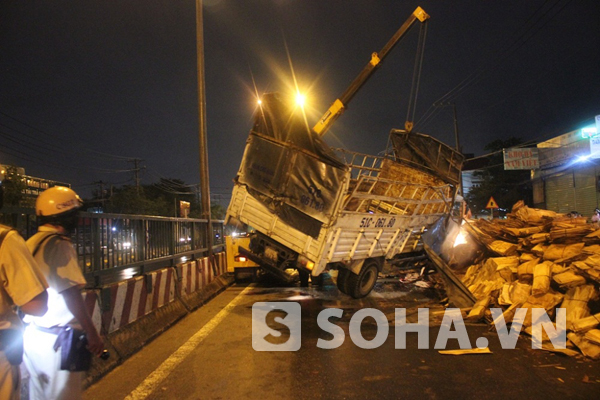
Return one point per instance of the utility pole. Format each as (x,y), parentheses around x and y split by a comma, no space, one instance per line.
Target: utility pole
(136,172)
(101,192)
(204,182)
(455,121)
(448,104)
(101,184)
(456,129)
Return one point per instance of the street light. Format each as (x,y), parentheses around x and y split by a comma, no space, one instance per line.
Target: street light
(300,99)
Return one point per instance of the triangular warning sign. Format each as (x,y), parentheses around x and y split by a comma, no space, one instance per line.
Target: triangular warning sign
(492,203)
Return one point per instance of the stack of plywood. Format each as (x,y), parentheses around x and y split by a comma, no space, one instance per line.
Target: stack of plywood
(538,258)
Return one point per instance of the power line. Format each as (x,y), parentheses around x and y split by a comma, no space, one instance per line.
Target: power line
(45,150)
(36,141)
(501,56)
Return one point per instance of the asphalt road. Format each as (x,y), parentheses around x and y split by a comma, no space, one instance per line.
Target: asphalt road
(209,355)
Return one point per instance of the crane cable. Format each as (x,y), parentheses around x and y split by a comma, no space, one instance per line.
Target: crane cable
(416,79)
(534,23)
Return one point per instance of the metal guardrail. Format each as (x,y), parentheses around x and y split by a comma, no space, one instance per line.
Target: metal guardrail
(113,247)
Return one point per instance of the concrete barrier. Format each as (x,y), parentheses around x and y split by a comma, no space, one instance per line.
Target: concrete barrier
(92,305)
(131,313)
(125,302)
(194,277)
(190,277)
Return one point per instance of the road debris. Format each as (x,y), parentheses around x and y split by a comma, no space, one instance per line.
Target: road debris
(537,259)
(461,352)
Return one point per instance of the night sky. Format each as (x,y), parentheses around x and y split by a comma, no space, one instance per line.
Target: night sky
(87,86)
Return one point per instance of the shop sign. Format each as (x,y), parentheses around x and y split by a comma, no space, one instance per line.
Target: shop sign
(521,158)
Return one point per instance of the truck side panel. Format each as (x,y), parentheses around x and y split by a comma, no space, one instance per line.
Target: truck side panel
(350,241)
(250,211)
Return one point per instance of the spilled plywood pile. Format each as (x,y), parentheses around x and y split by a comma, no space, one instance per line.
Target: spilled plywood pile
(539,259)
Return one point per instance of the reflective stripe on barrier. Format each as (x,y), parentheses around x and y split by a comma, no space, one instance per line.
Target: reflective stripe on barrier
(132,299)
(190,276)
(222,262)
(90,298)
(129,300)
(205,271)
(163,286)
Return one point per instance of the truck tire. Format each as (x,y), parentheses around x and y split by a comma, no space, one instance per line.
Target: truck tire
(342,279)
(358,286)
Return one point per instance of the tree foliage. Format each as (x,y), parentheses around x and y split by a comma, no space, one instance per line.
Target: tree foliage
(506,187)
(158,199)
(13,186)
(217,211)
(131,200)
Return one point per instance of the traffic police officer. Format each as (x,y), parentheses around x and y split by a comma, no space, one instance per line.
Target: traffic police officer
(22,285)
(57,209)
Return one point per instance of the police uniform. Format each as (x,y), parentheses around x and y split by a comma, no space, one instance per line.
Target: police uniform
(57,260)
(20,282)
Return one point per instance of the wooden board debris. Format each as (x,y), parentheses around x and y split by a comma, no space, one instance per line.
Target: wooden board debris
(538,258)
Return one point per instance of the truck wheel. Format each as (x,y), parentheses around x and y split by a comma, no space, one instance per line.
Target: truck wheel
(360,285)
(342,279)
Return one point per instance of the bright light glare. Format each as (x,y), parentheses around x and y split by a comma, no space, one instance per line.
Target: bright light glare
(300,99)
(589,132)
(460,238)
(583,158)
(259,102)
(128,273)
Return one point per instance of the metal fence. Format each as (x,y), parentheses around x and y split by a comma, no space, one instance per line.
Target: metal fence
(113,247)
(116,246)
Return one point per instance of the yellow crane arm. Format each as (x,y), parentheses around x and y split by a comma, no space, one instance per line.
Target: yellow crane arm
(340,104)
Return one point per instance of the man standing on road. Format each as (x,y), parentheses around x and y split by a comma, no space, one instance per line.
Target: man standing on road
(57,209)
(22,285)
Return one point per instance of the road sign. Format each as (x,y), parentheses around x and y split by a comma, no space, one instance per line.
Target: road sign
(492,203)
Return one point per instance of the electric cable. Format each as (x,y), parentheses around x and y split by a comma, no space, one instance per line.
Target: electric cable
(500,57)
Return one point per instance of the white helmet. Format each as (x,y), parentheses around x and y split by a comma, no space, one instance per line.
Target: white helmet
(56,201)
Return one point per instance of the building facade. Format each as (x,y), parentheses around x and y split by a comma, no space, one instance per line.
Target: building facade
(569,173)
(22,215)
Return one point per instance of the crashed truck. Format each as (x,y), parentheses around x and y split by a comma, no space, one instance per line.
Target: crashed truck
(314,208)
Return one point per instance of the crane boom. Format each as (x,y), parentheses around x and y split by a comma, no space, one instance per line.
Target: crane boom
(340,104)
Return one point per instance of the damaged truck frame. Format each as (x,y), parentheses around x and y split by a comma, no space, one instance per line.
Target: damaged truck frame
(314,208)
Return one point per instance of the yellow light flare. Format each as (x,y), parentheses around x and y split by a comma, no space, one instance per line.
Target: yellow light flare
(300,99)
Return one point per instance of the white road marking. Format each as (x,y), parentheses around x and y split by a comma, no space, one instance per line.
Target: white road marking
(155,378)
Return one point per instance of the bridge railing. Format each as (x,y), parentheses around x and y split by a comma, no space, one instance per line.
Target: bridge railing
(113,247)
